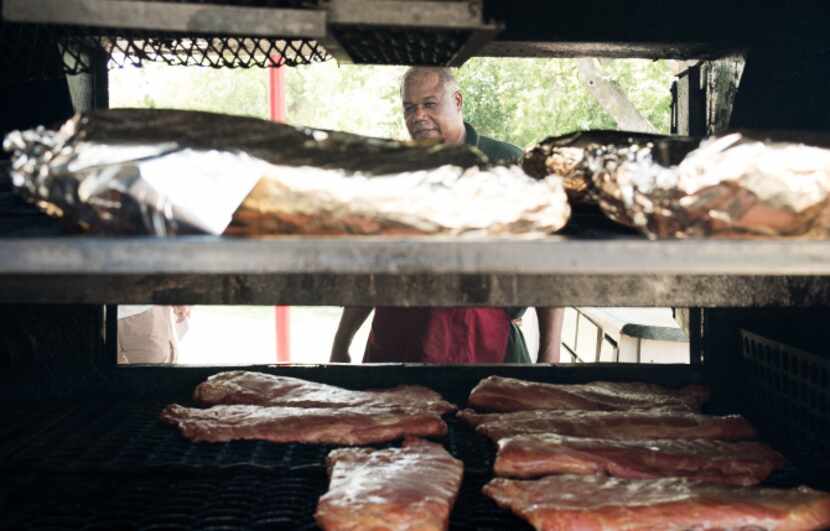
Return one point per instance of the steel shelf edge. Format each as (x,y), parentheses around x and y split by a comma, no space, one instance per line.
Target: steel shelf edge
(92,256)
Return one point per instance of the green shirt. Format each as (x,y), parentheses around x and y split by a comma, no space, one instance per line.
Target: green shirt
(498,151)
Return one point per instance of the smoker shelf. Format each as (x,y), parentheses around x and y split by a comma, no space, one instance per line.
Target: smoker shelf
(415,271)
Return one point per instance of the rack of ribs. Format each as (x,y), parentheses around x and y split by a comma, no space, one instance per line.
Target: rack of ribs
(620,425)
(256,388)
(367,424)
(496,393)
(565,503)
(409,488)
(733,463)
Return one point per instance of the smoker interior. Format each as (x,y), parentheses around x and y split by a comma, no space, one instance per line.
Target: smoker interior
(81,445)
(100,458)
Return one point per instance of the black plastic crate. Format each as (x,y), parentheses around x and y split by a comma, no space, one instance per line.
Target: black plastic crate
(786,393)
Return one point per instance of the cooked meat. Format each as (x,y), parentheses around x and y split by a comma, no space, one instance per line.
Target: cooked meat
(569,156)
(408,488)
(598,503)
(245,387)
(495,393)
(348,425)
(731,463)
(620,425)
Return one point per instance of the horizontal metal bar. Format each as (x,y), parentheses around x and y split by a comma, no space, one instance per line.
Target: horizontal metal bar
(418,290)
(159,16)
(616,50)
(408,13)
(424,255)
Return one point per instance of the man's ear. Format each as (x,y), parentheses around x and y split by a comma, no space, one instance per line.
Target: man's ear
(459,100)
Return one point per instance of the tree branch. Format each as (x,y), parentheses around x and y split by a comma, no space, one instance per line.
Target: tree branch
(611,97)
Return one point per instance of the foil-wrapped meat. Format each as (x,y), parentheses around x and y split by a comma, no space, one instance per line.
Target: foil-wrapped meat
(145,171)
(445,200)
(567,156)
(731,187)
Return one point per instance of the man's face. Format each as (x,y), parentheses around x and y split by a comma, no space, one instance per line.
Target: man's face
(430,111)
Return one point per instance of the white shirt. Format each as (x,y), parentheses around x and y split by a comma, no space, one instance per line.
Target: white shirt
(125,311)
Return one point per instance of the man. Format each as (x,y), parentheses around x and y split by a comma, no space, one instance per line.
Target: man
(432,105)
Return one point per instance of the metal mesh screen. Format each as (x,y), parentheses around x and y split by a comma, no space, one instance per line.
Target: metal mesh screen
(400,46)
(31,51)
(134,48)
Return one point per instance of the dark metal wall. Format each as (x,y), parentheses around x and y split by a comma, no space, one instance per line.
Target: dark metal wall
(785,87)
(38,339)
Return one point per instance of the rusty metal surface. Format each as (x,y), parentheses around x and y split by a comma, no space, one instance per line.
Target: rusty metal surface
(161,16)
(421,290)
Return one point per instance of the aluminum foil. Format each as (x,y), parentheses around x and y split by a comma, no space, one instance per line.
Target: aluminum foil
(166,172)
(445,200)
(567,156)
(730,187)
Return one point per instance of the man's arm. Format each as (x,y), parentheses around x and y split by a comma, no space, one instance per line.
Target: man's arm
(351,320)
(550,333)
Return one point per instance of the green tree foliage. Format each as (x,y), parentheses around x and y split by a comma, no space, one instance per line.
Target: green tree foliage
(520,101)
(239,92)
(523,101)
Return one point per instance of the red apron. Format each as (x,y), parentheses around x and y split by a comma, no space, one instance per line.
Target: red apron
(438,335)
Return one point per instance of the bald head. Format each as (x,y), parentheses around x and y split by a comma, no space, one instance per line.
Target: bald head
(432,105)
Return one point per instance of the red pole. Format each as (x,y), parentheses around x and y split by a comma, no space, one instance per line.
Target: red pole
(276,93)
(276,100)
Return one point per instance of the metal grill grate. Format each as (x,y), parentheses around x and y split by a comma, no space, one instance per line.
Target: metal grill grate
(129,435)
(40,52)
(43,51)
(133,48)
(216,500)
(400,46)
(116,466)
(232,499)
(790,394)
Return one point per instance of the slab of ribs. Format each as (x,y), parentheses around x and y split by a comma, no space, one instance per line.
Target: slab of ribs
(621,425)
(598,503)
(542,454)
(408,488)
(256,388)
(249,405)
(496,393)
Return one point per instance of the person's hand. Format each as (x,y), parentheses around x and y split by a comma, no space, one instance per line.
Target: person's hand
(182,313)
